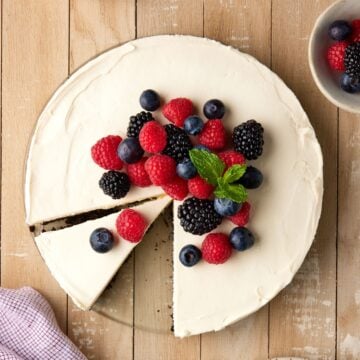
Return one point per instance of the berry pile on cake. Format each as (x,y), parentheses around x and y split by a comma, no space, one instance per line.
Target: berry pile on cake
(344,55)
(187,156)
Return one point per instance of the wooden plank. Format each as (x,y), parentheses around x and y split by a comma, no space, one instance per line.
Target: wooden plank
(158,17)
(35,62)
(98,25)
(348,314)
(243,24)
(246,25)
(153,339)
(302,318)
(95,26)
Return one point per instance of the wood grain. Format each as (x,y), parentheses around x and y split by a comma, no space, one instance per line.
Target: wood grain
(95,26)
(158,17)
(348,301)
(35,62)
(302,318)
(98,25)
(234,25)
(153,298)
(161,17)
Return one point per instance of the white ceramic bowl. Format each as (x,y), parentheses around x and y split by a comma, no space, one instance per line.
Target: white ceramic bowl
(326,79)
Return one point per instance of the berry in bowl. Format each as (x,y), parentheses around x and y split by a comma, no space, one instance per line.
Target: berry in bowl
(334,54)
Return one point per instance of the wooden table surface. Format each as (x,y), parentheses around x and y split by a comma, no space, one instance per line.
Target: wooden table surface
(318,315)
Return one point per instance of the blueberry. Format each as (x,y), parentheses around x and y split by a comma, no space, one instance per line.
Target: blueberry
(241,238)
(190,255)
(226,207)
(339,30)
(186,169)
(214,109)
(130,151)
(202,147)
(101,240)
(349,84)
(252,178)
(149,100)
(193,125)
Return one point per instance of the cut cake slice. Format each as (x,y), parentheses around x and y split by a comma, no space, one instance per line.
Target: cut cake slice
(81,272)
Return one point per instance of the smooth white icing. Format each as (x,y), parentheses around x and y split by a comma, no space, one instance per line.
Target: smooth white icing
(98,100)
(285,209)
(79,270)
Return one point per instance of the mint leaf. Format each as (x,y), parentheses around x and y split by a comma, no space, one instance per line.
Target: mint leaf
(234,173)
(220,193)
(209,166)
(231,191)
(219,190)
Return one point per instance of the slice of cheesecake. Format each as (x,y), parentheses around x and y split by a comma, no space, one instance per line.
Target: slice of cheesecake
(80,271)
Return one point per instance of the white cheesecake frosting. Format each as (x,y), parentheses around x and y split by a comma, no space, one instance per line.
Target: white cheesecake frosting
(80,271)
(98,99)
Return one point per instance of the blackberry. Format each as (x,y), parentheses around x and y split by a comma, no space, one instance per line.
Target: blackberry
(115,184)
(198,216)
(178,143)
(137,122)
(352,60)
(248,139)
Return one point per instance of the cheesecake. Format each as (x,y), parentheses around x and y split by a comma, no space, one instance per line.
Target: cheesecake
(97,100)
(82,272)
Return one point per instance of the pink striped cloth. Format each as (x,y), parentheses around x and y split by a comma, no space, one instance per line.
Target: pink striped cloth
(28,328)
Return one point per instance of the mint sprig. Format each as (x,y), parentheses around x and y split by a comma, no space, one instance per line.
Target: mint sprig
(234,173)
(211,168)
(235,192)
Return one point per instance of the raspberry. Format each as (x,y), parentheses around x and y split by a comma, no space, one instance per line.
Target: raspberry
(199,188)
(355,24)
(336,54)
(213,135)
(356,37)
(152,137)
(131,225)
(177,110)
(161,169)
(104,153)
(216,248)
(177,188)
(137,173)
(231,157)
(241,218)
(355,34)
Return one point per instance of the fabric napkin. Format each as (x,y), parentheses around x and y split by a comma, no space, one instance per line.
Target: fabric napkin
(28,328)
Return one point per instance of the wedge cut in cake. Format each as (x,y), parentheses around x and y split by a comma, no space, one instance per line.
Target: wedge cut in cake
(97,101)
(80,271)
